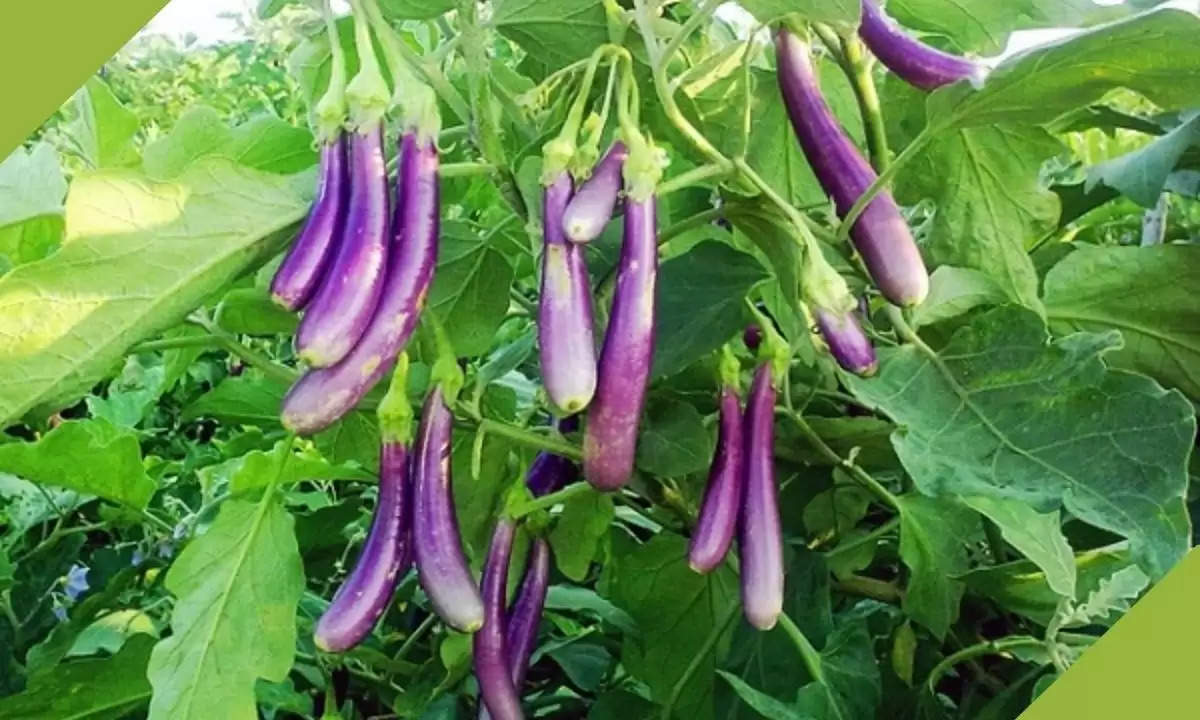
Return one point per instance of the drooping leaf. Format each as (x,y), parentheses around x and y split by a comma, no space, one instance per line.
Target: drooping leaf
(1148,294)
(933,534)
(1109,446)
(1142,175)
(249,311)
(414,9)
(235,616)
(763,704)
(584,521)
(139,255)
(95,689)
(1037,535)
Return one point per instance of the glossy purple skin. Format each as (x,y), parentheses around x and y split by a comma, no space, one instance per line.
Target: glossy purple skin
(912,60)
(525,615)
(880,235)
(592,207)
(847,342)
(565,334)
(752,336)
(760,539)
(610,439)
(492,669)
(366,592)
(342,308)
(723,494)
(297,278)
(437,545)
(323,396)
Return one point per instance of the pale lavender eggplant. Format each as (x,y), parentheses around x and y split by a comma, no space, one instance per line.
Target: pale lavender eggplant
(323,396)
(565,335)
(549,472)
(437,545)
(366,592)
(340,311)
(492,670)
(297,278)
(610,438)
(723,495)
(847,342)
(760,539)
(881,235)
(913,61)
(592,207)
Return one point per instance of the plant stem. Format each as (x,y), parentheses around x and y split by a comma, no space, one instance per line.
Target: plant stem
(700,219)
(413,637)
(466,169)
(808,653)
(709,643)
(858,69)
(693,22)
(991,647)
(862,476)
(871,537)
(232,345)
(885,177)
(695,176)
(531,439)
(548,501)
(870,588)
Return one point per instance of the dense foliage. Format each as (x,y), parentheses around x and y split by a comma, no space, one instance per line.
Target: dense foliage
(1005,475)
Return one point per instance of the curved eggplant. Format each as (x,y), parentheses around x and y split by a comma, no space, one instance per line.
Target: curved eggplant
(610,439)
(437,545)
(366,592)
(323,396)
(723,494)
(760,539)
(296,280)
(881,235)
(913,61)
(526,612)
(492,668)
(592,207)
(847,342)
(342,308)
(565,334)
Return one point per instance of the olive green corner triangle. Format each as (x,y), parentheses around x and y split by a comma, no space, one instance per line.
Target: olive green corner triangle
(1143,667)
(49,48)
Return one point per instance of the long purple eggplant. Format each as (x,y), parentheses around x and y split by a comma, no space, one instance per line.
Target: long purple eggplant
(610,439)
(492,668)
(437,545)
(592,207)
(912,60)
(365,594)
(565,334)
(760,539)
(723,494)
(296,280)
(549,472)
(342,308)
(526,612)
(847,342)
(323,396)
(881,234)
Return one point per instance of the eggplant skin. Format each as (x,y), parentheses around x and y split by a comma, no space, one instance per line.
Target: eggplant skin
(526,612)
(565,333)
(303,268)
(610,438)
(913,61)
(323,396)
(722,496)
(342,308)
(492,668)
(760,538)
(549,472)
(881,235)
(847,342)
(367,591)
(592,207)
(437,545)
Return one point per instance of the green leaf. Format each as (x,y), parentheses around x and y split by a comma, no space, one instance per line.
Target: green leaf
(954,291)
(584,663)
(103,129)
(584,522)
(1142,175)
(477,500)
(904,650)
(25,504)
(354,438)
(107,689)
(264,142)
(1111,447)
(553,32)
(234,621)
(674,441)
(1037,535)
(1154,54)
(31,185)
(701,304)
(415,9)
(850,683)
(837,509)
(987,179)
(248,311)
(933,536)
(1142,292)
(113,469)
(257,469)
(242,400)
(199,132)
(470,290)
(676,610)
(139,256)
(762,703)
(844,13)
(573,598)
(1112,598)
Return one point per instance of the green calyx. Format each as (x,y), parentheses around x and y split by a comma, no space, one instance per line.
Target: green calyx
(588,153)
(418,99)
(774,348)
(643,166)
(617,20)
(446,371)
(367,93)
(556,156)
(329,114)
(557,153)
(394,412)
(729,369)
(822,286)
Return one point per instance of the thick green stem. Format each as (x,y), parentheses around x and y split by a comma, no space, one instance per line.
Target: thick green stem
(858,69)
(992,647)
(702,14)
(546,502)
(531,439)
(808,654)
(695,176)
(861,476)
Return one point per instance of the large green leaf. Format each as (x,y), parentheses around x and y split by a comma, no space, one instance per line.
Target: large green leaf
(1149,294)
(1111,447)
(103,129)
(844,13)
(414,9)
(245,399)
(470,291)
(584,522)
(113,469)
(1141,175)
(676,610)
(674,441)
(954,291)
(933,532)
(139,255)
(553,32)
(31,184)
(98,689)
(235,616)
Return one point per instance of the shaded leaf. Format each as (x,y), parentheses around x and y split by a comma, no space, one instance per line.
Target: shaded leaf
(470,290)
(1037,535)
(106,689)
(584,521)
(933,536)
(674,441)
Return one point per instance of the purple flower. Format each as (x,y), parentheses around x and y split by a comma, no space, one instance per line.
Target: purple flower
(76,583)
